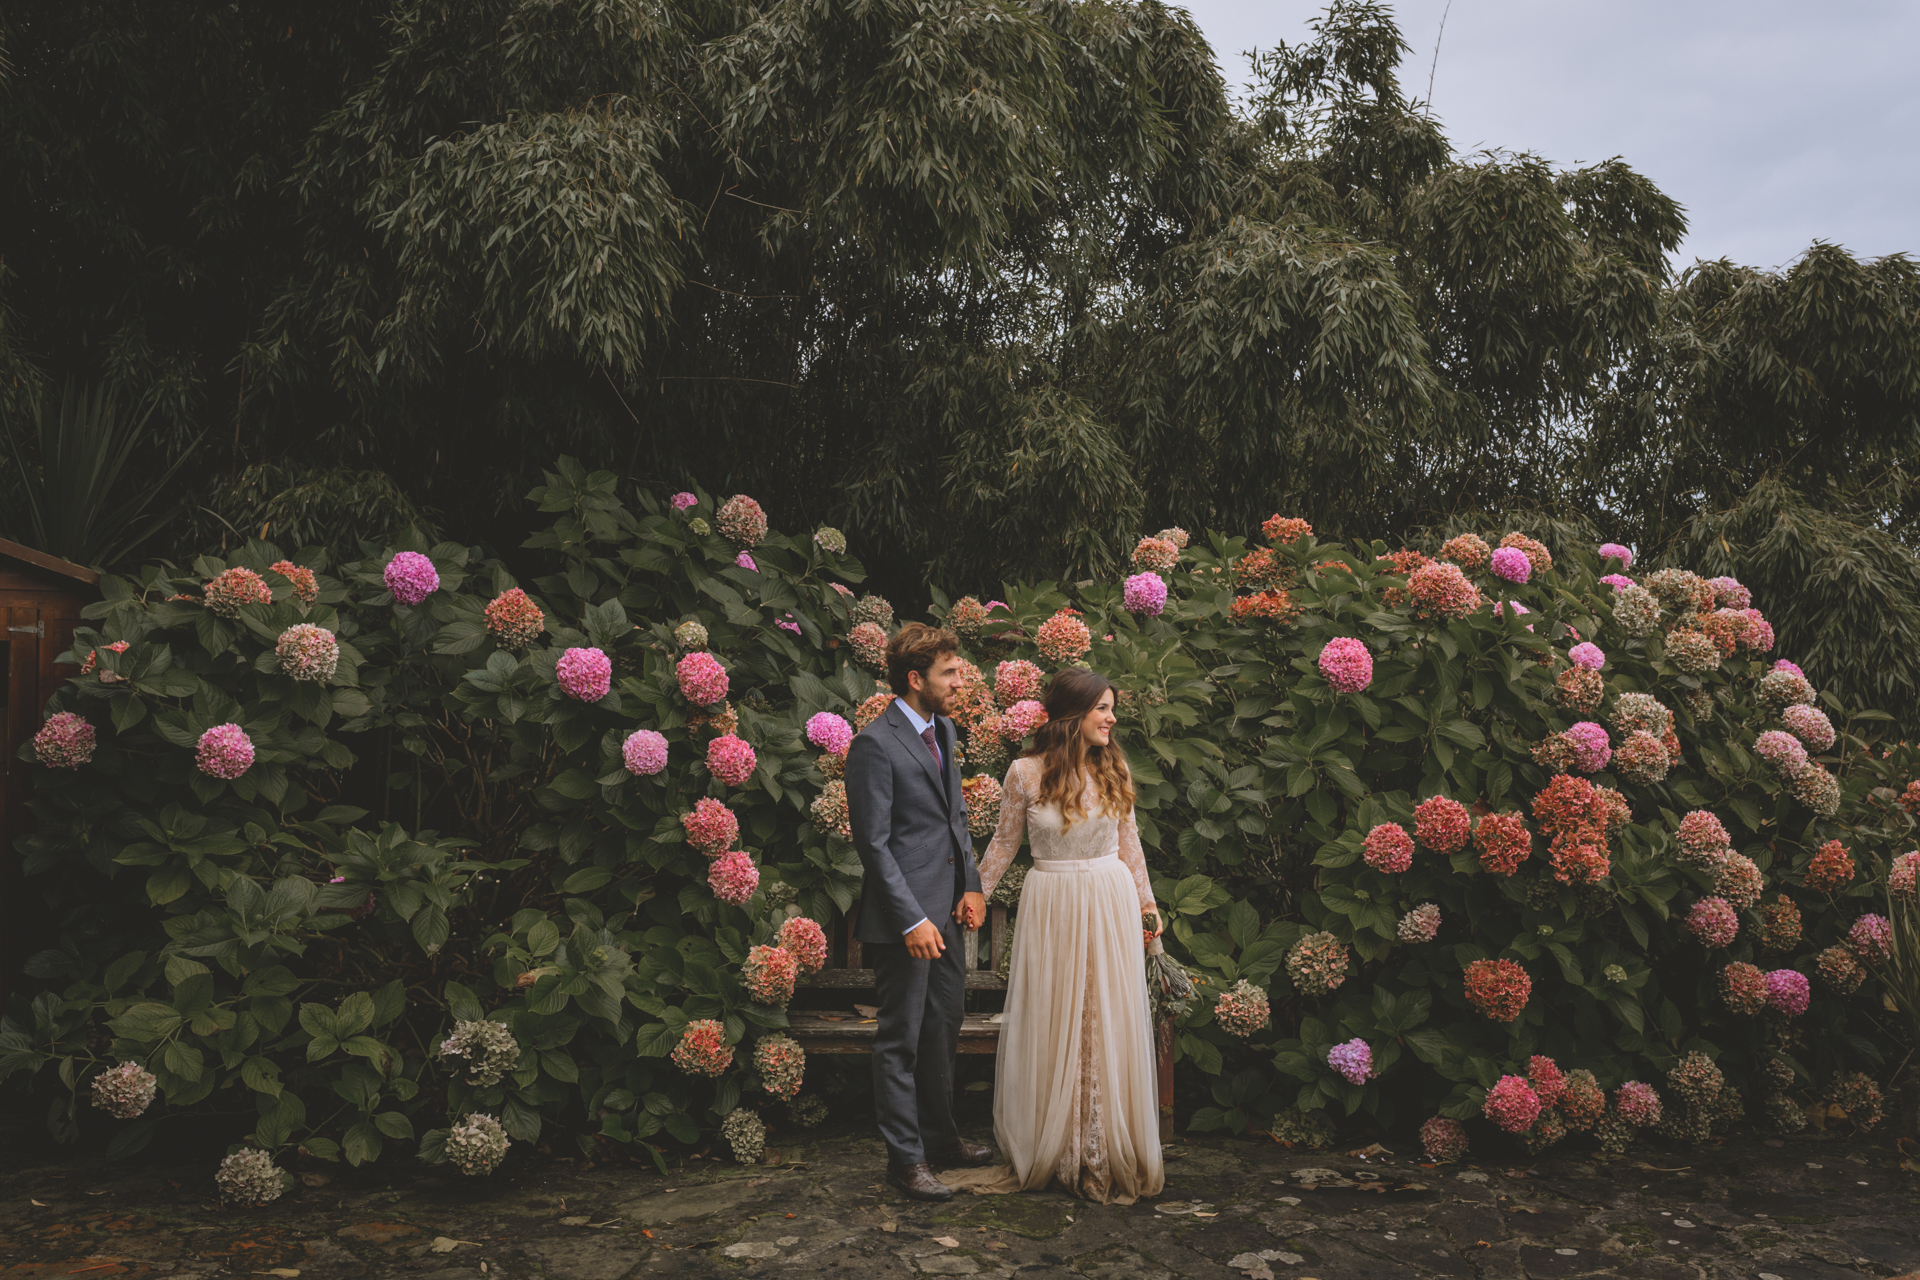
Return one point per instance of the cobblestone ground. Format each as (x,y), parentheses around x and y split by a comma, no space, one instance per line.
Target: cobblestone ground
(1799,1210)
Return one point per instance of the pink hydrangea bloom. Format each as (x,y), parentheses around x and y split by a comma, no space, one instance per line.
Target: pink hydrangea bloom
(1638,1104)
(1591,748)
(1348,664)
(703,1049)
(1729,594)
(745,561)
(1548,1081)
(703,681)
(681,501)
(1759,631)
(1242,1009)
(807,941)
(1354,1060)
(1146,594)
(65,741)
(225,751)
(741,520)
(1713,922)
(1512,564)
(1810,725)
(1062,638)
(1016,681)
(227,593)
(770,974)
(1904,878)
(1788,992)
(1442,824)
(644,752)
(1441,589)
(733,877)
(1781,664)
(1700,832)
(309,653)
(1512,1104)
(788,624)
(1443,1139)
(585,674)
(125,1091)
(731,759)
(1519,610)
(1388,848)
(1614,551)
(1022,718)
(1781,750)
(411,577)
(1588,655)
(1422,924)
(829,732)
(1871,937)
(1618,581)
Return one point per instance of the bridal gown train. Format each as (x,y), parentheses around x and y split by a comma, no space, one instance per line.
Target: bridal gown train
(1075,1095)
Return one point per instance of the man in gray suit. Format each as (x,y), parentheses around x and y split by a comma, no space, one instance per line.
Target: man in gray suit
(910,827)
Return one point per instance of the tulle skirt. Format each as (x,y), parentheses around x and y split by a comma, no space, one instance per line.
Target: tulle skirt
(1075,1095)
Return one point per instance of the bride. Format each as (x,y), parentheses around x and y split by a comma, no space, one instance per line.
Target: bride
(1074,1089)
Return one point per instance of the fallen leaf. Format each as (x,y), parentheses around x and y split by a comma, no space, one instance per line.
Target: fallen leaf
(1371,1149)
(889,1226)
(610,1222)
(42,1203)
(96,1193)
(444,1244)
(948,1241)
(867,1010)
(577,1220)
(280,1271)
(1261,1272)
(759,1182)
(997,1244)
(1198,1214)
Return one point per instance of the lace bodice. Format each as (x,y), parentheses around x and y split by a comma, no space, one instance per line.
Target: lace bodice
(1093,835)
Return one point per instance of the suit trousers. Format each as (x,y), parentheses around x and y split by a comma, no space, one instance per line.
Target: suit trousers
(915,1045)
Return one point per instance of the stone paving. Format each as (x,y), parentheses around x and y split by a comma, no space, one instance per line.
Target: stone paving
(1803,1209)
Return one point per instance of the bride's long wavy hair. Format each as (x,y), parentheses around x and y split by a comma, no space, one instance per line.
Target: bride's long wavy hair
(1067,759)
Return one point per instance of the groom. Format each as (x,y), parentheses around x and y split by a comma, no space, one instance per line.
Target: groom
(921,888)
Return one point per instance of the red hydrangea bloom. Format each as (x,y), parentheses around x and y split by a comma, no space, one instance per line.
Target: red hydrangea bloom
(770,974)
(1443,591)
(711,827)
(1498,988)
(703,1049)
(1744,989)
(1840,970)
(1701,832)
(1543,1073)
(1536,552)
(1285,529)
(514,620)
(1780,926)
(1504,843)
(1388,848)
(1441,824)
(228,592)
(1512,1104)
(1830,869)
(1584,1102)
(1467,550)
(1063,638)
(1155,555)
(1903,878)
(306,588)
(1638,1103)
(872,709)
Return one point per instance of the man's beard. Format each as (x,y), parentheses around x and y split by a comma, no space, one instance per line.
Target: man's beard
(936,702)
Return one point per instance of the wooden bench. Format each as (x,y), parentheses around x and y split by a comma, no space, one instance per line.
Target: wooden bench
(849,1030)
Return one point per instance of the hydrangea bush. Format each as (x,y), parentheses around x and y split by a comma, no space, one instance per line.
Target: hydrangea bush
(286,876)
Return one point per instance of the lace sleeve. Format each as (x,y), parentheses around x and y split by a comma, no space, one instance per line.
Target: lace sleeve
(1135,859)
(1013,828)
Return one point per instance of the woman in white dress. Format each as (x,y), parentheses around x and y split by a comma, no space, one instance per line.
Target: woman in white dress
(1075,1095)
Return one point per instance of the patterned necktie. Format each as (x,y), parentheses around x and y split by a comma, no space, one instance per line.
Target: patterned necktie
(926,736)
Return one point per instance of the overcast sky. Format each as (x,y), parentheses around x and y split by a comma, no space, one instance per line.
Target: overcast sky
(1774,122)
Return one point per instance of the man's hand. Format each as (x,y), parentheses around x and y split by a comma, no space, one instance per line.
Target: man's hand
(925,942)
(971,911)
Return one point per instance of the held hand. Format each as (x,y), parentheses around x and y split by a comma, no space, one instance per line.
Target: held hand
(971,911)
(1159,924)
(925,942)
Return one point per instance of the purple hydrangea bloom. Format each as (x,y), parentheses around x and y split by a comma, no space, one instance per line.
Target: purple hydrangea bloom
(1587,654)
(1591,749)
(1787,991)
(1512,564)
(745,561)
(411,577)
(1354,1060)
(644,753)
(1146,594)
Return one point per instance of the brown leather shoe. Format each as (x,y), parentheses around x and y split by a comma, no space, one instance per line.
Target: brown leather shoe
(962,1155)
(917,1182)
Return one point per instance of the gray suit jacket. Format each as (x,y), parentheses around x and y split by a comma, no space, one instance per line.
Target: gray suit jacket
(909,828)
